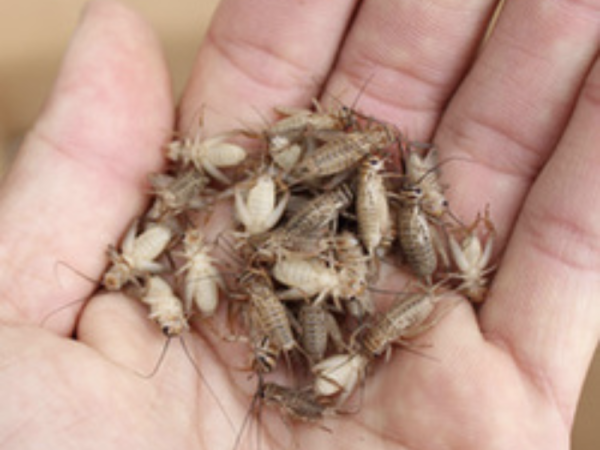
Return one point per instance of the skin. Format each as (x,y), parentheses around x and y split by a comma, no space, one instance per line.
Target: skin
(524,111)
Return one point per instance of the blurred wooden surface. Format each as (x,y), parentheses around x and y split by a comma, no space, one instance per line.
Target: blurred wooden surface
(33,37)
(586,434)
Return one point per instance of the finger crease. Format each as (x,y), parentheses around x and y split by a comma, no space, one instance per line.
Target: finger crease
(82,158)
(357,72)
(511,155)
(294,73)
(562,239)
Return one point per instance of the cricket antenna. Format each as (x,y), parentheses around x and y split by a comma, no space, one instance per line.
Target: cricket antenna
(412,350)
(83,299)
(347,112)
(362,90)
(205,382)
(439,164)
(74,270)
(249,413)
(159,362)
(68,305)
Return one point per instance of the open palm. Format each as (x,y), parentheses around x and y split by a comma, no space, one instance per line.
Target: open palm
(524,111)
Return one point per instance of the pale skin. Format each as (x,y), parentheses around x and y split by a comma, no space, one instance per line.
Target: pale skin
(525,111)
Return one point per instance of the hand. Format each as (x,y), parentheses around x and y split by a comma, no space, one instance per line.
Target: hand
(524,111)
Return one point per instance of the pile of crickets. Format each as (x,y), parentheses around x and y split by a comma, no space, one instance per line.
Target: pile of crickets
(323,203)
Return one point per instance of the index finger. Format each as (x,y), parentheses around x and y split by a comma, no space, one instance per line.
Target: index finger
(278,53)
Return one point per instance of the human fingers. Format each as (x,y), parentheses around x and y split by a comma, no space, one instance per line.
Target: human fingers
(409,57)
(507,117)
(512,107)
(80,175)
(543,306)
(260,54)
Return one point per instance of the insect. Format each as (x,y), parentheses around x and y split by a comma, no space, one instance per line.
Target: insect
(299,123)
(360,306)
(336,377)
(166,308)
(342,153)
(318,326)
(306,277)
(302,229)
(298,404)
(317,278)
(424,172)
(353,268)
(209,155)
(372,209)
(176,194)
(472,257)
(259,210)
(267,312)
(285,152)
(419,241)
(316,214)
(202,280)
(138,255)
(405,318)
(299,130)
(266,353)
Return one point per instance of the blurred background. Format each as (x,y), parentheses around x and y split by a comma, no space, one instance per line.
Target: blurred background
(35,33)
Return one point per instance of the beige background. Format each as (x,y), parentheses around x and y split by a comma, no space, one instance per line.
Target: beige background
(35,33)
